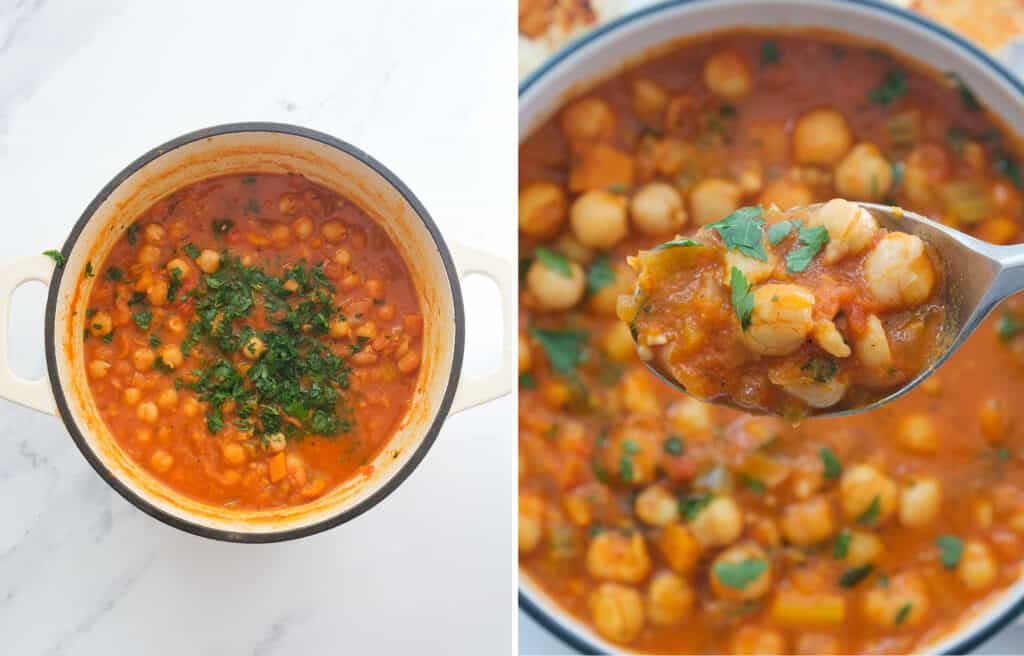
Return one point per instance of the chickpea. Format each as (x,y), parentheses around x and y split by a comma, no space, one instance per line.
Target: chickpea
(178,264)
(864,548)
(680,549)
(161,461)
(690,416)
(172,356)
(280,235)
(759,640)
(819,394)
(409,362)
(850,228)
(821,136)
(234,453)
(303,227)
(920,503)
(100,324)
(669,599)
(786,194)
(864,174)
(288,203)
(648,99)
(148,255)
(781,319)
(598,218)
(657,506)
(754,589)
(387,312)
(254,348)
(351,281)
(712,199)
(542,210)
(657,209)
(872,346)
(617,343)
(131,395)
(588,119)
(885,605)
(977,569)
(551,289)
(334,231)
(367,330)
(339,328)
(342,257)
(727,75)
(208,261)
(994,419)
(898,271)
(719,524)
(175,324)
(917,432)
(147,412)
(153,233)
(525,355)
(157,293)
(617,612)
(860,486)
(143,359)
(531,522)
(829,338)
(808,522)
(375,288)
(190,408)
(617,557)
(99,368)
(167,399)
(143,435)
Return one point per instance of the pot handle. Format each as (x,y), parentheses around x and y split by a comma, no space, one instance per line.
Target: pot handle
(498,383)
(35,394)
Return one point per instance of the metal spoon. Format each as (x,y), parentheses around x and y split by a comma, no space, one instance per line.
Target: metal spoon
(977,277)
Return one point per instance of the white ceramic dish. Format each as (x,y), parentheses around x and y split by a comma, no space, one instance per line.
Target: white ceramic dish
(267,148)
(607,49)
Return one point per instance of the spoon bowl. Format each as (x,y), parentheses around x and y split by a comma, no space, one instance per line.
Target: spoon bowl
(976,276)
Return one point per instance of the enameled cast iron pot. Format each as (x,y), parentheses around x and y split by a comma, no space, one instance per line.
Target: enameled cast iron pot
(610,47)
(265,148)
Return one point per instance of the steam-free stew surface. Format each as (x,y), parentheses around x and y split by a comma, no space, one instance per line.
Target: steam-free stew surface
(252,341)
(672,526)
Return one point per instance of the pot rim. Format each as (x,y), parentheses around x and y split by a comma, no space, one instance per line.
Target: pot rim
(396,478)
(528,599)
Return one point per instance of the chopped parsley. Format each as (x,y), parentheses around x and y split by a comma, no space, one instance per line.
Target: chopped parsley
(752,484)
(780,230)
(870,515)
(625,469)
(1007,166)
(841,546)
(154,341)
(190,250)
(56,256)
(89,273)
(249,179)
(809,244)
(114,274)
(892,87)
(966,95)
(175,284)
(132,233)
(692,505)
(833,469)
(742,231)
(673,445)
(855,575)
(564,348)
(618,188)
(820,368)
(740,574)
(600,274)
(770,53)
(221,227)
(950,550)
(742,297)
(142,319)
(526,380)
(554,261)
(956,138)
(675,243)
(902,613)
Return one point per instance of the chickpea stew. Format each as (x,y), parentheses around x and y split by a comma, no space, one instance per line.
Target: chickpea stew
(788,313)
(252,340)
(675,526)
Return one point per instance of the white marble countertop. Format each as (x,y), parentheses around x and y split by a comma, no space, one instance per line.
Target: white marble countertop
(427,88)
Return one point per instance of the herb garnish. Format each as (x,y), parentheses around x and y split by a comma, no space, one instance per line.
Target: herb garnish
(554,261)
(892,87)
(777,232)
(902,613)
(966,95)
(221,227)
(770,53)
(673,445)
(855,575)
(833,469)
(114,274)
(526,380)
(691,506)
(742,298)
(821,369)
(841,547)
(951,548)
(1005,165)
(142,319)
(741,231)
(132,234)
(809,244)
(89,273)
(870,515)
(740,574)
(190,250)
(675,243)
(56,256)
(563,348)
(600,274)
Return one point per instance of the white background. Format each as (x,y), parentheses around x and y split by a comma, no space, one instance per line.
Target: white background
(426,87)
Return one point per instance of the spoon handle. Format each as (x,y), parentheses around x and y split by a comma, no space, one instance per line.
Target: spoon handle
(1009,278)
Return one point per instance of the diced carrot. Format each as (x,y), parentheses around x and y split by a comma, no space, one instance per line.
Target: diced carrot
(600,166)
(277,467)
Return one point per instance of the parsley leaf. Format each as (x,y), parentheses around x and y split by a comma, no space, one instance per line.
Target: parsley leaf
(554,261)
(526,381)
(855,575)
(625,469)
(966,95)
(89,273)
(673,445)
(175,284)
(777,232)
(821,369)
(675,243)
(951,548)
(563,348)
(902,613)
(833,469)
(190,250)
(809,244)
(600,274)
(739,575)
(742,297)
(1008,167)
(691,506)
(132,233)
(752,484)
(56,256)
(741,231)
(841,546)
(892,87)
(142,319)
(770,53)
(114,274)
(870,515)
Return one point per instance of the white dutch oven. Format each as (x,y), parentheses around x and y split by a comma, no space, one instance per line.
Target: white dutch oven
(265,148)
(612,46)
